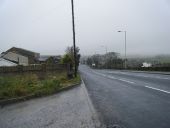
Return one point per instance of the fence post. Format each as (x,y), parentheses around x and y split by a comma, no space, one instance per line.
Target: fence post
(20,68)
(43,66)
(69,71)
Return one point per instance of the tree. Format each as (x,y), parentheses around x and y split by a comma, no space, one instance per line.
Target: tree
(50,60)
(96,60)
(66,59)
(109,60)
(70,52)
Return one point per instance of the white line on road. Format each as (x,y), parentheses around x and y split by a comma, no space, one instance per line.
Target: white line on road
(124,80)
(111,77)
(147,76)
(127,81)
(96,121)
(158,89)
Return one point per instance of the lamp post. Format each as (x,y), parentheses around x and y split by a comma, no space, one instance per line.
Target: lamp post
(74,42)
(125,49)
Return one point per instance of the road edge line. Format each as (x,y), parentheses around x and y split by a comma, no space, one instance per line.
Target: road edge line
(95,117)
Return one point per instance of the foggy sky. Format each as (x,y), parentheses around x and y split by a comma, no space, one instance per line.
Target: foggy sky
(45,26)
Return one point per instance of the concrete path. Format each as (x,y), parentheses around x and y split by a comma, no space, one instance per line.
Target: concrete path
(68,109)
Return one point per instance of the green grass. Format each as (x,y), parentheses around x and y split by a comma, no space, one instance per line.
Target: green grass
(31,83)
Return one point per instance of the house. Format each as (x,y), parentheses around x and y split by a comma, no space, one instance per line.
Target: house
(21,56)
(49,59)
(6,63)
(43,59)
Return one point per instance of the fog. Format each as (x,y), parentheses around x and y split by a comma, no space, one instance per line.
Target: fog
(45,26)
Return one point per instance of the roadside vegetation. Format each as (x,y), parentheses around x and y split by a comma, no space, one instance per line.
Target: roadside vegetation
(41,83)
(112,60)
(38,84)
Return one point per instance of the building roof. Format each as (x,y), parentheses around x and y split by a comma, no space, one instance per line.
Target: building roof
(22,51)
(4,62)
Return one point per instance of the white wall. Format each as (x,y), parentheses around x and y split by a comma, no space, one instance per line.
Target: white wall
(6,63)
(15,57)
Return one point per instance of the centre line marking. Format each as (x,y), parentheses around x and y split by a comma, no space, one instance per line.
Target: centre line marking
(158,89)
(127,81)
(111,77)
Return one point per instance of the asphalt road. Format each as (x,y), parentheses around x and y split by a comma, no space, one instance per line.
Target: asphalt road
(128,99)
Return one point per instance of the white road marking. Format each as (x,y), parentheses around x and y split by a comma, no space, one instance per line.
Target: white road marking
(127,81)
(166,78)
(158,89)
(111,77)
(158,77)
(124,80)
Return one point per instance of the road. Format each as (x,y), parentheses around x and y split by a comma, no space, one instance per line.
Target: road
(128,99)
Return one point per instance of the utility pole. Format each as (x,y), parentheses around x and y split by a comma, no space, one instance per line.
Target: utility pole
(74,39)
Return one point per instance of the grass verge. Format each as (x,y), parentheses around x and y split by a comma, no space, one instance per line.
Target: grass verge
(14,86)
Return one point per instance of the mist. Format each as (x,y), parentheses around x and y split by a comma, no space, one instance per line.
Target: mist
(45,26)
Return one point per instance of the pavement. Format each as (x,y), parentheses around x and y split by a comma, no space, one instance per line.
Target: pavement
(129,99)
(68,109)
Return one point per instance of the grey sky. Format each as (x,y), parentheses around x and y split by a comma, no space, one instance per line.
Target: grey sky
(45,25)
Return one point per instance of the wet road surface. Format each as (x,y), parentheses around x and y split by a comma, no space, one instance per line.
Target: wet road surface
(128,99)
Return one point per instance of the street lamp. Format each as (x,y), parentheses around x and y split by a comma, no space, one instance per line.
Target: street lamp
(125,48)
(74,41)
